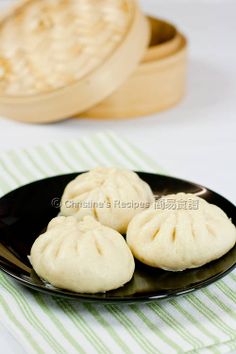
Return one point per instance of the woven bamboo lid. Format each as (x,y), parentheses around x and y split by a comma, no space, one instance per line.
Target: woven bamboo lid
(61,57)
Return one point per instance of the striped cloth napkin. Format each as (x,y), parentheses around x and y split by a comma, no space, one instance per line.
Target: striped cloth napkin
(201,322)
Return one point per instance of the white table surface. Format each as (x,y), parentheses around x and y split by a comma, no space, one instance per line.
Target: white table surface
(196,140)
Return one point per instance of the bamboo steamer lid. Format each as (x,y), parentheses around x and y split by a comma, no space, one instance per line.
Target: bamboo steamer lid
(158,82)
(61,57)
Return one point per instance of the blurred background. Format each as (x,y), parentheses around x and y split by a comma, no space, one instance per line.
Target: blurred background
(194,140)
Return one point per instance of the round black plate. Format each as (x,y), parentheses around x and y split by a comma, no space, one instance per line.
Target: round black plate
(25,212)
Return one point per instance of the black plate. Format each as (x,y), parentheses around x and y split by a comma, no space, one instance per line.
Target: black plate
(25,212)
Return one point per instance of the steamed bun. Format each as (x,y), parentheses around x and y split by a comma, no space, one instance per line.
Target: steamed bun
(82,256)
(175,238)
(112,196)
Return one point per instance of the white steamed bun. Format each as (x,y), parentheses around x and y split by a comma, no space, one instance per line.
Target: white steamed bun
(183,238)
(82,256)
(112,196)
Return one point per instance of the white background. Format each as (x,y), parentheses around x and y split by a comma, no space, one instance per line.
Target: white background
(196,140)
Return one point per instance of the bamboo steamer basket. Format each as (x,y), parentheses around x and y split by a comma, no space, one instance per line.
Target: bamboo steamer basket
(157,83)
(59,58)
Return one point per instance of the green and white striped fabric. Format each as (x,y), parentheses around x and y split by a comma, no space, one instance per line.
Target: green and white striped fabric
(201,322)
